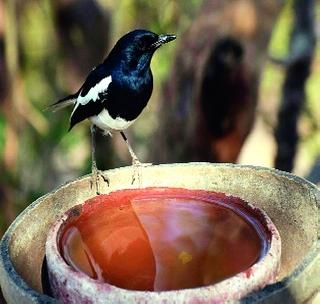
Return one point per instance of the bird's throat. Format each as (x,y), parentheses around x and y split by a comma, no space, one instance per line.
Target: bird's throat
(139,65)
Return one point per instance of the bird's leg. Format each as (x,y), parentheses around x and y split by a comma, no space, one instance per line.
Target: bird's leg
(94,169)
(135,161)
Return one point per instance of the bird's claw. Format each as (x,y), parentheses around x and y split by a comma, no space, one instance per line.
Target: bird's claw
(95,180)
(136,170)
(137,163)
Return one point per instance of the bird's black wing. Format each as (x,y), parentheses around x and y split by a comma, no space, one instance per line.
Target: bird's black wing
(93,95)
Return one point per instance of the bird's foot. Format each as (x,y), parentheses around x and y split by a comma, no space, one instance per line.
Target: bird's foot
(137,165)
(95,177)
(107,133)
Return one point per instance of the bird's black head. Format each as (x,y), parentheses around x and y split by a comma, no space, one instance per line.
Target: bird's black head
(137,48)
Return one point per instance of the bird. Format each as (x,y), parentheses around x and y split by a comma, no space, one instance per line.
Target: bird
(116,91)
(227,103)
(218,94)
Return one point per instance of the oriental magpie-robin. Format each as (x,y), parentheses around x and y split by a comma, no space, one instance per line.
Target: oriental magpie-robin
(116,91)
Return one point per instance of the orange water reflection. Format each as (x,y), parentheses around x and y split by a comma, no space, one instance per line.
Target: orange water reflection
(162,239)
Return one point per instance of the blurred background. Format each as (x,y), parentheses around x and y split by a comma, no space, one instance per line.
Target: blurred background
(240,84)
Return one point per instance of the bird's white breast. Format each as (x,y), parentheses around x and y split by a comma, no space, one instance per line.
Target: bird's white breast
(105,122)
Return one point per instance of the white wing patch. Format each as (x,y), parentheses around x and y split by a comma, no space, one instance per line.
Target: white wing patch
(93,93)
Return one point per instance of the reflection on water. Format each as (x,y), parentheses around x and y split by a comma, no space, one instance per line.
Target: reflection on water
(162,239)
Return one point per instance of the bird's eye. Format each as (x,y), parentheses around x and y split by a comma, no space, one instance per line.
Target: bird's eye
(141,45)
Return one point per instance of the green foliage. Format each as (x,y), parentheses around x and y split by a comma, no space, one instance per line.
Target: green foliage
(279,43)
(2,135)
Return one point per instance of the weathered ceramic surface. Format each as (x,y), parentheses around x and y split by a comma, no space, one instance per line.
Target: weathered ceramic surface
(73,287)
(291,202)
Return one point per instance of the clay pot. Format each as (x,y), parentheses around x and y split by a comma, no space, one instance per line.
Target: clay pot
(291,202)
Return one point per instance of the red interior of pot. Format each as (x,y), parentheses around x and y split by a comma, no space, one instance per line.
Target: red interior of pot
(163,238)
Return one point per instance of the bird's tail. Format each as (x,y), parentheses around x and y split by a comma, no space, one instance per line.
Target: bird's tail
(62,103)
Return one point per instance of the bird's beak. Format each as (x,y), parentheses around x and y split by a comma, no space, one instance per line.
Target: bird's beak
(166,38)
(162,39)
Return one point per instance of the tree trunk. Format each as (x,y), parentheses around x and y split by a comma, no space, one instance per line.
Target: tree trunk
(298,69)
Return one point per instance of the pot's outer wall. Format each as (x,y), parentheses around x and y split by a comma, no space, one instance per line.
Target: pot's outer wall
(291,202)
